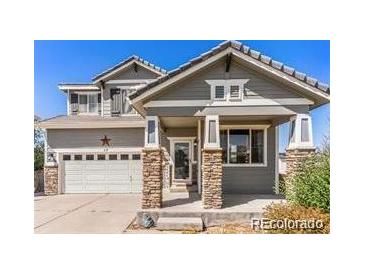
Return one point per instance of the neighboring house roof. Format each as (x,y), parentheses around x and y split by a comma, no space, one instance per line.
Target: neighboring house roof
(126,63)
(92,121)
(285,72)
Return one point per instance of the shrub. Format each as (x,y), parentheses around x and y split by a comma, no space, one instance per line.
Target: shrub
(309,186)
(288,211)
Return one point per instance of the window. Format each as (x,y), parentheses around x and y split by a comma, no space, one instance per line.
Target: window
(304,130)
(239,152)
(66,157)
(257,146)
(78,157)
(124,157)
(224,144)
(74,103)
(243,146)
(101,157)
(89,157)
(136,157)
(234,92)
(113,157)
(126,107)
(151,132)
(219,92)
(83,103)
(93,103)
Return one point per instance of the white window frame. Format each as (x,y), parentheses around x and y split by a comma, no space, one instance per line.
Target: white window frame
(227,83)
(157,135)
(224,93)
(250,128)
(208,144)
(97,112)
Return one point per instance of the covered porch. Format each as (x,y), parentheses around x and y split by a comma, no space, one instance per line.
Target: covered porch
(217,161)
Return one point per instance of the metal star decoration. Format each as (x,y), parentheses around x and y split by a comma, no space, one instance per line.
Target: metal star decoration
(105,141)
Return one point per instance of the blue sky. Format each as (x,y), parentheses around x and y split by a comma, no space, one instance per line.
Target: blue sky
(79,61)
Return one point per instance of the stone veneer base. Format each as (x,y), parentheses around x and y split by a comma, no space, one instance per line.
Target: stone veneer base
(51,180)
(212,171)
(152,178)
(294,157)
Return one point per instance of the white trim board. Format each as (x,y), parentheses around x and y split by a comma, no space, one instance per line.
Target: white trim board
(244,102)
(98,150)
(125,66)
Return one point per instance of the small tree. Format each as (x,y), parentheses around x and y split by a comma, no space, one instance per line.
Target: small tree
(38,146)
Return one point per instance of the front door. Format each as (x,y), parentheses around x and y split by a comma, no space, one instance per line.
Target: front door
(182,161)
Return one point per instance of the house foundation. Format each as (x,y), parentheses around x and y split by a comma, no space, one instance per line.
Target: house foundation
(51,180)
(212,171)
(152,178)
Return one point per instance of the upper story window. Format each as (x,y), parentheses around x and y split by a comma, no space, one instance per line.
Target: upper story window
(85,103)
(235,92)
(227,89)
(219,92)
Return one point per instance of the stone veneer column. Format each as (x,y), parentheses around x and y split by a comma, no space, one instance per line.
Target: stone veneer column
(212,171)
(51,180)
(294,157)
(152,178)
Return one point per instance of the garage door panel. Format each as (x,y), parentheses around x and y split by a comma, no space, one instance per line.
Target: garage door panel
(103,176)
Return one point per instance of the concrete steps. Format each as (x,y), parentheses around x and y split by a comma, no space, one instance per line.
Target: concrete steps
(179,223)
(181,187)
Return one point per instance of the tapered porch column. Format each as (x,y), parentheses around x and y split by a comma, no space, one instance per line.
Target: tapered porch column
(152,165)
(212,169)
(300,142)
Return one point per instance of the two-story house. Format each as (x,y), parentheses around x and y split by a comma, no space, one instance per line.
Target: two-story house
(212,123)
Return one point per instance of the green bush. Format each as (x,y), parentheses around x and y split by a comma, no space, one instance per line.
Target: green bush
(310,185)
(38,158)
(288,211)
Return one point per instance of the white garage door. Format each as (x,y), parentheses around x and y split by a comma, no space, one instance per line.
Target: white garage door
(102,173)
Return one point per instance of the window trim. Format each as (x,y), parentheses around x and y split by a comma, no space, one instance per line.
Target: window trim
(98,109)
(224,93)
(227,83)
(250,128)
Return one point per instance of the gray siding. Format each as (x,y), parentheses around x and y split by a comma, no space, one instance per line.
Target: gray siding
(90,138)
(195,88)
(253,180)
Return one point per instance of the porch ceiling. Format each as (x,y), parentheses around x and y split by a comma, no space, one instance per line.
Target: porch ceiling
(179,122)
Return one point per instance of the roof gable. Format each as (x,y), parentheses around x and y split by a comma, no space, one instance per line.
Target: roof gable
(264,64)
(130,63)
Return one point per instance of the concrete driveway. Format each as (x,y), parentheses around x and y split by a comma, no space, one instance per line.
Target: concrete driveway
(84,213)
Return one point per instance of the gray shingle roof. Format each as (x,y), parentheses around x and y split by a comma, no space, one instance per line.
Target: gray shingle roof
(244,49)
(124,62)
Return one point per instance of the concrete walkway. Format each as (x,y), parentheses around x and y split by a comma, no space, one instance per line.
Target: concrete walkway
(84,213)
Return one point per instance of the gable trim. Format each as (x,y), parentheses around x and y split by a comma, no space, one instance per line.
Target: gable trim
(126,64)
